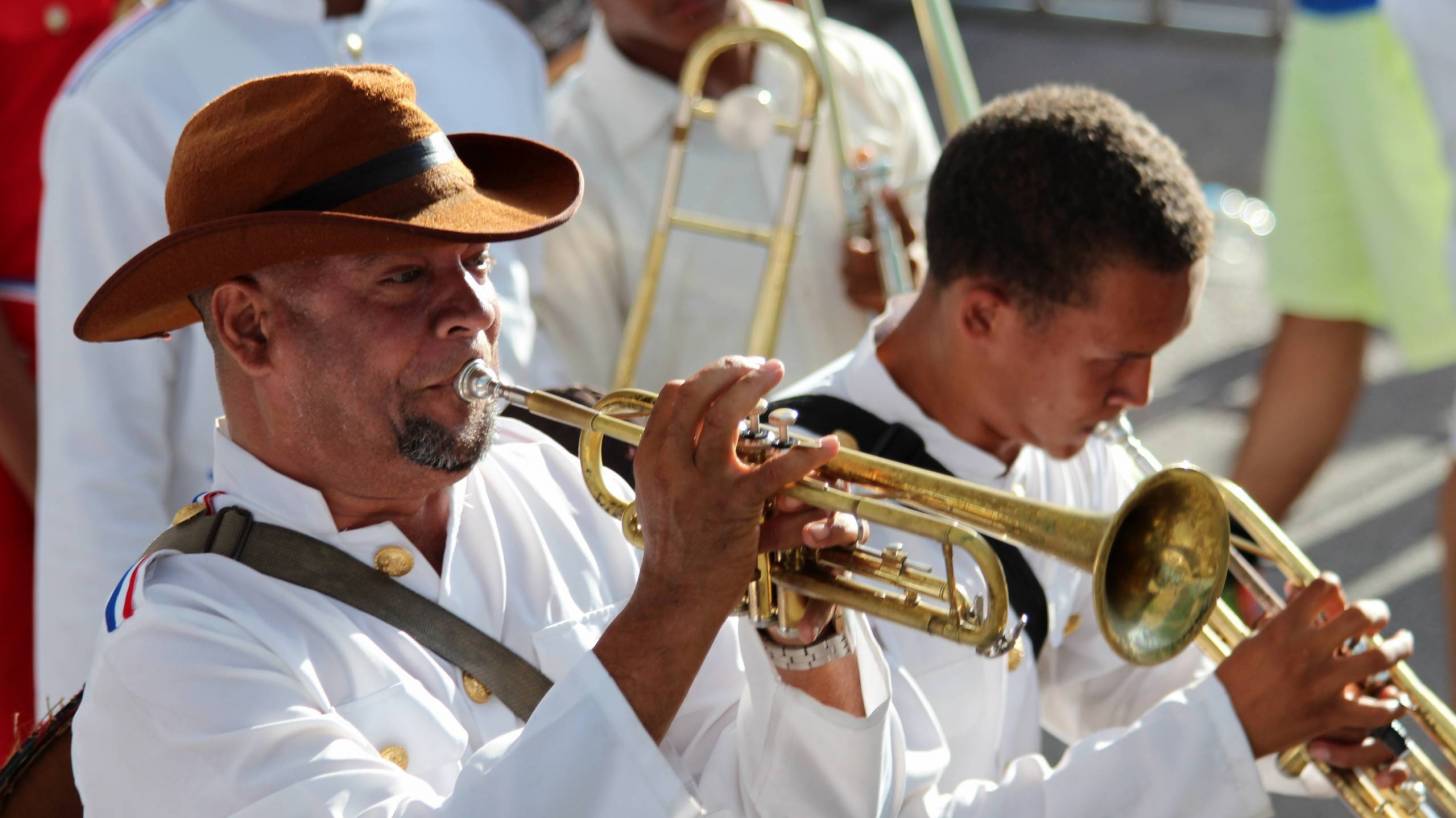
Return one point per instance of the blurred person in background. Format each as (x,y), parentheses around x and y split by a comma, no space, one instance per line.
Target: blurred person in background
(1428,28)
(39,41)
(614,113)
(1356,177)
(127,431)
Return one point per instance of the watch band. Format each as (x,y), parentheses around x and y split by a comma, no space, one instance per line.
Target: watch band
(808,657)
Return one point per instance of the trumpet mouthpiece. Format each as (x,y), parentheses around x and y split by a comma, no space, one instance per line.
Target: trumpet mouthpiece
(477,382)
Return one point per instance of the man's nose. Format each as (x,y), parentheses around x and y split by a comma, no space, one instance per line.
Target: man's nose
(1134,387)
(467,306)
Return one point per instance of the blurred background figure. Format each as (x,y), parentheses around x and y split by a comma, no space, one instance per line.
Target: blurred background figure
(614,113)
(1428,28)
(39,41)
(126,432)
(1356,177)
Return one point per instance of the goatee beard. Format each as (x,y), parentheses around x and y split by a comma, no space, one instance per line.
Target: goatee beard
(427,443)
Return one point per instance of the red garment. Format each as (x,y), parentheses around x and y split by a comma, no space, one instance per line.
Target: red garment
(39,41)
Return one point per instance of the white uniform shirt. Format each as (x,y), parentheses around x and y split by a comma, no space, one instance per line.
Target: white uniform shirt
(1151,742)
(217,690)
(615,118)
(125,432)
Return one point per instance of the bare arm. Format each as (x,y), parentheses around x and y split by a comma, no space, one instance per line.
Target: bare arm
(17,415)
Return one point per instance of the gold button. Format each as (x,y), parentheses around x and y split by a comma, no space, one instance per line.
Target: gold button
(1073,623)
(474,688)
(355,45)
(187,512)
(393,560)
(395,755)
(1013,657)
(57,18)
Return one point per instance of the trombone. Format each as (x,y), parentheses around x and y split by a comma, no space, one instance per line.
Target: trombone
(863,176)
(779,239)
(1225,630)
(1158,562)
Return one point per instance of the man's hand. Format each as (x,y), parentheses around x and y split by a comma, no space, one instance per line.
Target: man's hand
(701,507)
(860,262)
(702,512)
(1294,681)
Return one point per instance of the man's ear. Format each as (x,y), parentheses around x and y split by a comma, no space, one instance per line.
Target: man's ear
(239,314)
(982,307)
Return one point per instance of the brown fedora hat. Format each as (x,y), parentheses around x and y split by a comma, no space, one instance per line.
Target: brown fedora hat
(317,163)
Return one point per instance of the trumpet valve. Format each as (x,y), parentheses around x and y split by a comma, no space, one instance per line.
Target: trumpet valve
(755,420)
(1410,796)
(782,420)
(754,440)
(892,559)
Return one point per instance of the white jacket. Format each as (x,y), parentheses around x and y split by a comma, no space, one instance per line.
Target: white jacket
(219,691)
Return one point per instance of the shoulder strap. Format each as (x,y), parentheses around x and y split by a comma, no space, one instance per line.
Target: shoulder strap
(285,554)
(825,414)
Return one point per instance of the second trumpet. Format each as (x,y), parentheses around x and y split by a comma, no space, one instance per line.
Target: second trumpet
(1158,563)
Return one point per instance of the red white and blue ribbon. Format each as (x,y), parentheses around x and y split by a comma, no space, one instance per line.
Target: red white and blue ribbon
(124,597)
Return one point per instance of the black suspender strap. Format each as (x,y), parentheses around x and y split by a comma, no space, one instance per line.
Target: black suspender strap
(824,414)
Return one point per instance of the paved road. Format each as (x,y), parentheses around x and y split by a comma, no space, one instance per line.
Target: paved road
(1370,514)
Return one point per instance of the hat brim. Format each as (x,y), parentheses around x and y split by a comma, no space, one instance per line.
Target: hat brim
(522,188)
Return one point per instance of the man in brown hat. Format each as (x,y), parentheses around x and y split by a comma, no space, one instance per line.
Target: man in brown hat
(335,244)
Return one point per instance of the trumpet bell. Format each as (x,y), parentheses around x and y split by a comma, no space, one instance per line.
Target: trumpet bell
(1161,565)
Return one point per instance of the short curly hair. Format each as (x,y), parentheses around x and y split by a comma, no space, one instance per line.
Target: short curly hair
(1047,185)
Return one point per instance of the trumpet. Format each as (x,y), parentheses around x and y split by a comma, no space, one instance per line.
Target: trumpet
(1225,630)
(1158,562)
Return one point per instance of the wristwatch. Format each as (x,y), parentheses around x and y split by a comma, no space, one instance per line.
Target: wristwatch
(833,644)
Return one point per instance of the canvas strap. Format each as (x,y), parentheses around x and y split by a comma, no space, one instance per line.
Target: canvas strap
(297,558)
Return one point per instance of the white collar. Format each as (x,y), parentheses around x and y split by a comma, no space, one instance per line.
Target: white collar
(276,498)
(870,386)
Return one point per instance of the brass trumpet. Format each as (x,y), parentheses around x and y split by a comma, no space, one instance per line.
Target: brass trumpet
(1225,630)
(1159,561)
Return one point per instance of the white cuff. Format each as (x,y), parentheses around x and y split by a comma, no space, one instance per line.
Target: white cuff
(1209,696)
(801,757)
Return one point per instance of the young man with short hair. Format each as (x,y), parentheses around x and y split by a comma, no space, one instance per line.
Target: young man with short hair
(1066,237)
